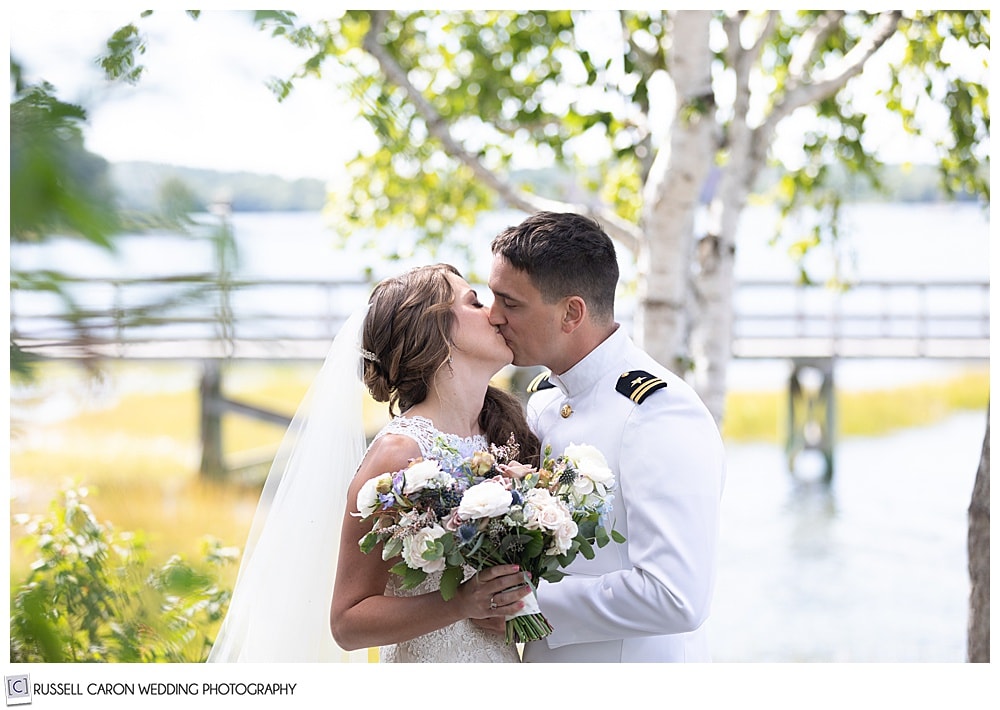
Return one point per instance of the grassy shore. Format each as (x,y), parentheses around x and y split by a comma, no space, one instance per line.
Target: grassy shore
(135,444)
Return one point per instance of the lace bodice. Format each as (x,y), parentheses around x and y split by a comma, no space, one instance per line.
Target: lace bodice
(422,431)
(462,642)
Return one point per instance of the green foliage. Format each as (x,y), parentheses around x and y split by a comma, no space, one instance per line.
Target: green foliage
(120,61)
(493,84)
(508,80)
(92,595)
(929,37)
(56,186)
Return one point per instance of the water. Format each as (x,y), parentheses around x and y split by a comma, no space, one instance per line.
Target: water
(872,569)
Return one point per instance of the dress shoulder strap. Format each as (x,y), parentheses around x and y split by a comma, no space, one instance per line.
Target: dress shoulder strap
(420,429)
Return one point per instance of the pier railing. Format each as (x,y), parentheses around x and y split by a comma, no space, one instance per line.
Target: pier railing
(197,316)
(204,318)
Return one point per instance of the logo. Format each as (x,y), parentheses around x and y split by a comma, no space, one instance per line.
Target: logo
(18,690)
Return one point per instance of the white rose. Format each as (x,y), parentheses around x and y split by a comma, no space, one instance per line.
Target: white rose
(368,501)
(416,545)
(563,538)
(582,487)
(590,462)
(543,511)
(420,475)
(484,500)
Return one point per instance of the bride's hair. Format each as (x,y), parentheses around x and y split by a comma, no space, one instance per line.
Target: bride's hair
(407,338)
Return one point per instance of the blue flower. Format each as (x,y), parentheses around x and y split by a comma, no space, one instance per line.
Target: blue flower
(466,533)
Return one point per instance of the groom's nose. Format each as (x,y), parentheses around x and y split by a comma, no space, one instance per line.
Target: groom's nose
(496,314)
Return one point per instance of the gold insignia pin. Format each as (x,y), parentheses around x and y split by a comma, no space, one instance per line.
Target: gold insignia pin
(637,381)
(566,411)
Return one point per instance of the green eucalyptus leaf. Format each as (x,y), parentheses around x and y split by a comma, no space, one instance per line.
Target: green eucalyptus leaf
(450,579)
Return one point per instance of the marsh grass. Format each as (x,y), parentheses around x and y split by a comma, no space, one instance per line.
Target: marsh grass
(137,450)
(762,416)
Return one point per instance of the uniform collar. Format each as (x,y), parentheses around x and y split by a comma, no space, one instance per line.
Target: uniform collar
(591,368)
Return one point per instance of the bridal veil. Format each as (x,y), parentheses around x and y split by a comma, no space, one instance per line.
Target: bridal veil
(280,608)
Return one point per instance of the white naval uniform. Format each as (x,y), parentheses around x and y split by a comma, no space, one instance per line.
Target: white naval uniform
(645,600)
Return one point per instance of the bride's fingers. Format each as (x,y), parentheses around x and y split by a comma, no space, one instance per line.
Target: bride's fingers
(491,573)
(508,593)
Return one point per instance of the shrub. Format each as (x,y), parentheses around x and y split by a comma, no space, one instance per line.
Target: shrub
(92,594)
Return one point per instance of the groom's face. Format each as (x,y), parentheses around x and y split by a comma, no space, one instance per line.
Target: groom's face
(526,321)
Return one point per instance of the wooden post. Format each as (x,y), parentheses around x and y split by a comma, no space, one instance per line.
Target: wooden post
(212,464)
(811,422)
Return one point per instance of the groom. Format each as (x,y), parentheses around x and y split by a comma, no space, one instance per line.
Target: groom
(553,279)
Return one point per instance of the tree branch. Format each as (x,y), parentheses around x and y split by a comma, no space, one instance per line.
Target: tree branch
(625,232)
(742,62)
(852,63)
(811,39)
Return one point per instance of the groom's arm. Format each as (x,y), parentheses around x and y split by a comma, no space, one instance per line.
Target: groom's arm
(671,470)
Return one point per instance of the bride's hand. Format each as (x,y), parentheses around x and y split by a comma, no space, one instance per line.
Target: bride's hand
(494,592)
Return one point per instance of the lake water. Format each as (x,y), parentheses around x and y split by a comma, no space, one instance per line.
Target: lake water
(871,569)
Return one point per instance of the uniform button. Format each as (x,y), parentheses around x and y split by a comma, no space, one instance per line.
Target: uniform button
(566,411)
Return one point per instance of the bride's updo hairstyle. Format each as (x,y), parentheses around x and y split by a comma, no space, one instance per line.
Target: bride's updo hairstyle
(407,339)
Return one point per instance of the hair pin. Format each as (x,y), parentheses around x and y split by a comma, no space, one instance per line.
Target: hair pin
(369,355)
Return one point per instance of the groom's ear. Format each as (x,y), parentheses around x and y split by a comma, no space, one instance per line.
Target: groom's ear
(574,313)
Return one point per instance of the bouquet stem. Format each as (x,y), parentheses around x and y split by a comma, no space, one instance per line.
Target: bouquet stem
(530,627)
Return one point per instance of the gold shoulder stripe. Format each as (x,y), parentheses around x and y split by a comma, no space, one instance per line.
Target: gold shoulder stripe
(637,385)
(540,382)
(650,386)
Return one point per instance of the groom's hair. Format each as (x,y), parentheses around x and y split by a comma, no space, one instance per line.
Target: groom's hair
(564,254)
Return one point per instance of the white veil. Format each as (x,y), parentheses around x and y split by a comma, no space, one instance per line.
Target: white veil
(280,609)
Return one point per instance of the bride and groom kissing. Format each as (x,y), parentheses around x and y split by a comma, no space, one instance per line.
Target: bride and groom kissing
(427,346)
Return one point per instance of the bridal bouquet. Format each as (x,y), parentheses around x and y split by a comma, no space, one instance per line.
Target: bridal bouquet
(448,513)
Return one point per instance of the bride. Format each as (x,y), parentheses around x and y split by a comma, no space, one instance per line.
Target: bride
(427,348)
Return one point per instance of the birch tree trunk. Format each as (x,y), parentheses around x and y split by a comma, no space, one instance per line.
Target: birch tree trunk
(747,152)
(979,559)
(671,196)
(746,148)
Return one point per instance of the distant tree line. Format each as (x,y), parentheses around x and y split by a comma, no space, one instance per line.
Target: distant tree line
(147,187)
(153,187)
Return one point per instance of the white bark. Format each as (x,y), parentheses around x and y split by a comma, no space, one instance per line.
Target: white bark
(671,196)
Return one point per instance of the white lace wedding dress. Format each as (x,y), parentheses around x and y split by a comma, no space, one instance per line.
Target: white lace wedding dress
(462,642)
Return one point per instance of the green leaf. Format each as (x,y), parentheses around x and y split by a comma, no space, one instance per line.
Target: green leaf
(602,537)
(587,528)
(411,577)
(368,542)
(450,579)
(393,546)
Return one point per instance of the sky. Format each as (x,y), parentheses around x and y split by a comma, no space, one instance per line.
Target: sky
(203,101)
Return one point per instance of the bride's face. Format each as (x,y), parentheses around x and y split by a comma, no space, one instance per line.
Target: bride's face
(474,336)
